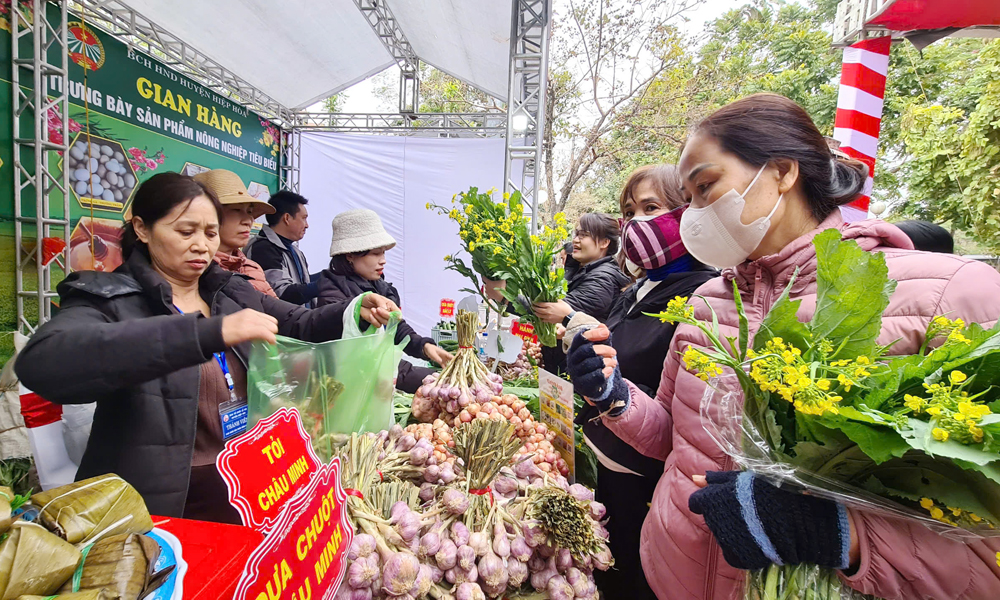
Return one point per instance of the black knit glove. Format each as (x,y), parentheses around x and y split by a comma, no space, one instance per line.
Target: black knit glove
(585,368)
(758,524)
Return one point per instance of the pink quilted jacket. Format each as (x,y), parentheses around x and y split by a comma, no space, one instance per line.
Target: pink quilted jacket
(899,560)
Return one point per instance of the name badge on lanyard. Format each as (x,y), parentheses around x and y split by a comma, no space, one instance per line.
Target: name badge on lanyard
(233,413)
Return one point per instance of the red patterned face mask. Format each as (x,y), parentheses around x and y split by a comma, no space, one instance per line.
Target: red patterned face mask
(653,242)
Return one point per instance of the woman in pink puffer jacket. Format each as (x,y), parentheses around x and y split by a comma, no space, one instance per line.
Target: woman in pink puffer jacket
(795,195)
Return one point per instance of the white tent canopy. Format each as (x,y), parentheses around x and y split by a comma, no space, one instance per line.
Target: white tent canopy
(301,51)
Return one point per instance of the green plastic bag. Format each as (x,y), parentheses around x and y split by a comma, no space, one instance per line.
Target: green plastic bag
(339,387)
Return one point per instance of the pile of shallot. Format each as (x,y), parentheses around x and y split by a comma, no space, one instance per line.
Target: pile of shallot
(465,380)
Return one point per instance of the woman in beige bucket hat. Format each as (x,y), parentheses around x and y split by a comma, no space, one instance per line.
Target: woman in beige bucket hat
(358,259)
(239,211)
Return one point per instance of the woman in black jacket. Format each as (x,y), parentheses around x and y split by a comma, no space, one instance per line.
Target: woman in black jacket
(651,204)
(358,260)
(152,342)
(594,284)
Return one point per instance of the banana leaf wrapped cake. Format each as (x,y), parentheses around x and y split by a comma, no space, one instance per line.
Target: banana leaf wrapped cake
(84,595)
(121,564)
(93,509)
(33,561)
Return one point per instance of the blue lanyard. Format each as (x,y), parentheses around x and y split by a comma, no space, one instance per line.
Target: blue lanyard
(220,357)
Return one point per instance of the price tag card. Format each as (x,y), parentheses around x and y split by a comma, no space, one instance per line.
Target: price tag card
(447,307)
(305,554)
(525,331)
(555,399)
(265,467)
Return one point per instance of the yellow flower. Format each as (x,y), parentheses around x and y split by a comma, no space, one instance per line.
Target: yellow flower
(468,209)
(497,250)
(957,377)
(914,403)
(940,435)
(448,257)
(863,360)
(926,503)
(506,195)
(427,206)
(823,384)
(998,559)
(937,513)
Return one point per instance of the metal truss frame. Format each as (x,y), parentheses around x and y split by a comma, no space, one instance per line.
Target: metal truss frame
(36,176)
(380,17)
(529,55)
(132,28)
(288,171)
(417,124)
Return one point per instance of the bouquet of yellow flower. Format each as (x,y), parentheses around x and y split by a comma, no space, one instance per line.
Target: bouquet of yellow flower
(822,406)
(482,224)
(532,275)
(497,238)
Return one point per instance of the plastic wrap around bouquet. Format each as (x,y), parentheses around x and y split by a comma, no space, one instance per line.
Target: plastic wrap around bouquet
(339,387)
(821,407)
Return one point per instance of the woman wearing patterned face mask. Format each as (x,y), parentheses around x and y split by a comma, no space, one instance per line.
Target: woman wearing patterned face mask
(762,184)
(651,204)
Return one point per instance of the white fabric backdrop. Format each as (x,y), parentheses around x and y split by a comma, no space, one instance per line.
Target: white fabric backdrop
(396,177)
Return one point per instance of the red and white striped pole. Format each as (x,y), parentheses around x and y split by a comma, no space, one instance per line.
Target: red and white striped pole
(859,110)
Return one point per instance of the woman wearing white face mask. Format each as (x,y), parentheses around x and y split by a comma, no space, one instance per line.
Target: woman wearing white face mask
(763,184)
(651,203)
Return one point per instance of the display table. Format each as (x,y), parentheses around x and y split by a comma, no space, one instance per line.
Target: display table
(215,555)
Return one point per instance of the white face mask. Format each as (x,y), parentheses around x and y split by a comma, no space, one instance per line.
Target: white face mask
(716,236)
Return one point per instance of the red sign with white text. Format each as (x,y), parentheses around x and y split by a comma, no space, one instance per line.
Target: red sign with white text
(525,331)
(266,466)
(305,554)
(447,307)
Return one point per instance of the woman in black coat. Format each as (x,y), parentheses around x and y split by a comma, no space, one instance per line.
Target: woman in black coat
(594,284)
(358,261)
(151,344)
(651,204)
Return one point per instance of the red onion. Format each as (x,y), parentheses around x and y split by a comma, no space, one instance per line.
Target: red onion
(399,573)
(517,573)
(581,493)
(459,533)
(559,589)
(455,501)
(469,591)
(466,557)
(446,556)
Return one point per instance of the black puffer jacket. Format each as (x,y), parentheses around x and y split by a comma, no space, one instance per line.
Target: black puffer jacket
(593,289)
(334,288)
(118,341)
(642,344)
